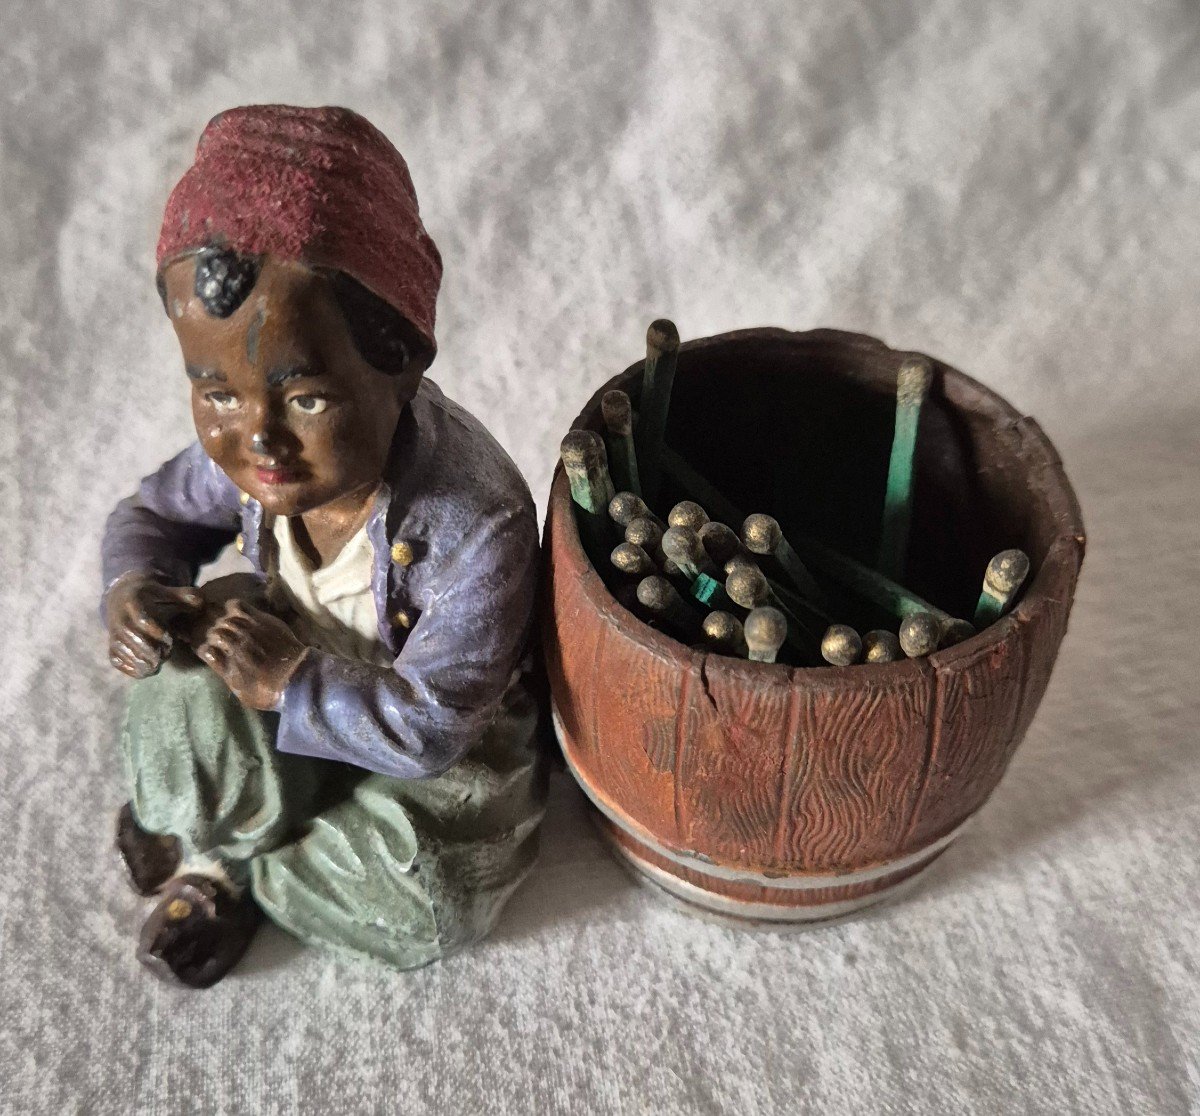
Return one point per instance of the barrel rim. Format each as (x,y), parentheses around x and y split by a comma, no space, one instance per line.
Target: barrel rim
(1063,557)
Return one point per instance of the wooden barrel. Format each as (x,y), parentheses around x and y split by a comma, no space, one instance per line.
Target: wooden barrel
(787,794)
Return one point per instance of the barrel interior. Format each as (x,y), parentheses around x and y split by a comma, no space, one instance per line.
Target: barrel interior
(803,431)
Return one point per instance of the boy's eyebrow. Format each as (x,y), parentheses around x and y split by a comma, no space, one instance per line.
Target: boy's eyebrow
(286,372)
(196,373)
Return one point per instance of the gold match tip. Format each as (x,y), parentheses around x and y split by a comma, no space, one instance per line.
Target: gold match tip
(841,645)
(747,586)
(682,546)
(761,533)
(919,635)
(617,411)
(722,627)
(955,631)
(913,379)
(655,593)
(625,507)
(662,336)
(631,559)
(739,561)
(1006,573)
(687,513)
(581,448)
(643,531)
(720,540)
(880,646)
(765,629)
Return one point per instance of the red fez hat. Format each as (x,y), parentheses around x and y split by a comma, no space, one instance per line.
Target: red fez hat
(318,185)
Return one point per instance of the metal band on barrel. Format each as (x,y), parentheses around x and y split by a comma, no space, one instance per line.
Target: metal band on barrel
(697,863)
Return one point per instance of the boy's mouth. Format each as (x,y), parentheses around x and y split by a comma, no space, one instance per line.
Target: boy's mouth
(276,475)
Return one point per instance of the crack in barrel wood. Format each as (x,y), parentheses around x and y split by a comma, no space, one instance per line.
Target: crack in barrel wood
(792,774)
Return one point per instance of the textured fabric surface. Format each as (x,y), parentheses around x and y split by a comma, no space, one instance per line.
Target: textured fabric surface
(1012,187)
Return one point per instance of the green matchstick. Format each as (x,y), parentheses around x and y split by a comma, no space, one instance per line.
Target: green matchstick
(662,354)
(1002,581)
(586,467)
(912,385)
(618,424)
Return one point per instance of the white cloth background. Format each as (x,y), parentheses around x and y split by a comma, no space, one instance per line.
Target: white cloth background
(1010,186)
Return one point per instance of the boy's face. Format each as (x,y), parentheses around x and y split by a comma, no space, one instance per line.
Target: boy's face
(281,398)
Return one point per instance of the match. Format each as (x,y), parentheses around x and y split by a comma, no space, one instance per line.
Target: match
(618,423)
(747,587)
(912,385)
(586,466)
(919,635)
(632,560)
(1002,581)
(689,514)
(720,541)
(955,632)
(660,599)
(723,634)
(627,506)
(881,646)
(646,531)
(761,534)
(764,630)
(841,645)
(662,354)
(683,547)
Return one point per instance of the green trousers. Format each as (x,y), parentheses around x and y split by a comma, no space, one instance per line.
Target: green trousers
(403,871)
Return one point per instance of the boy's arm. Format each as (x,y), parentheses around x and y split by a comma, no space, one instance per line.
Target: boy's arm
(420,717)
(182,517)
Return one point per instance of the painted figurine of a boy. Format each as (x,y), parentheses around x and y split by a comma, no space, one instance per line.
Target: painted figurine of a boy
(343,741)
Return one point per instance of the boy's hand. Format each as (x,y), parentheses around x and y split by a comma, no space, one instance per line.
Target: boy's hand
(140,612)
(254,653)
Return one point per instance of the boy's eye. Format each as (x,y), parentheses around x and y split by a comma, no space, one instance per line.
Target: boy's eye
(309,404)
(222,400)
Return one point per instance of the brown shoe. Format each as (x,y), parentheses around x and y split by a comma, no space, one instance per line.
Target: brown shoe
(150,860)
(198,931)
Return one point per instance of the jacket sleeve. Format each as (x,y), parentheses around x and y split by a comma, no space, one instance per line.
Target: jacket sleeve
(181,517)
(418,718)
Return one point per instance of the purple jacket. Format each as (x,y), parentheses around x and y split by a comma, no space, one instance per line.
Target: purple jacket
(456,617)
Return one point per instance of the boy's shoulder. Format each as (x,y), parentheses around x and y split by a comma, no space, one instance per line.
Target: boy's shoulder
(457,474)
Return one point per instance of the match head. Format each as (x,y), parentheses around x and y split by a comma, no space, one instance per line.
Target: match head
(919,635)
(880,646)
(662,337)
(682,546)
(740,561)
(632,560)
(643,531)
(722,628)
(913,379)
(720,540)
(582,449)
(841,645)
(656,593)
(765,630)
(761,533)
(1006,573)
(687,513)
(625,507)
(747,587)
(955,631)
(617,412)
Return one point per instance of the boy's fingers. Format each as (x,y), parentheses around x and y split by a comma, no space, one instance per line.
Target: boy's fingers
(143,621)
(136,641)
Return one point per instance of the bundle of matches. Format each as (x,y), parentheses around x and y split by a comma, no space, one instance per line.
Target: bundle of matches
(751,592)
